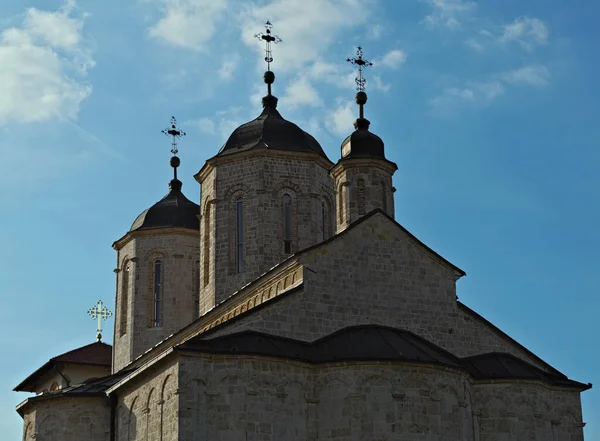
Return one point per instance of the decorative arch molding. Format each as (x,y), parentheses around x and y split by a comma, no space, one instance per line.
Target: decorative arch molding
(132,420)
(26,432)
(237,190)
(286,184)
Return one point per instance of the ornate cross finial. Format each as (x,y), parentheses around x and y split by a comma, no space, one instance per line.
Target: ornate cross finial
(361,63)
(175,134)
(99,312)
(268,38)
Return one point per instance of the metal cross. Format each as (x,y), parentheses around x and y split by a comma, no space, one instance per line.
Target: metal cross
(268,38)
(361,63)
(99,312)
(174,133)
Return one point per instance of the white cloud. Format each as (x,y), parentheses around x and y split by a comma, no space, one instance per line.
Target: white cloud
(537,75)
(528,32)
(380,85)
(477,93)
(393,59)
(188,24)
(339,121)
(206,125)
(301,93)
(308,27)
(449,13)
(43,64)
(228,68)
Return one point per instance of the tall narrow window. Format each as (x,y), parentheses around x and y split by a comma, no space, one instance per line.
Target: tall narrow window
(361,197)
(323,221)
(196,290)
(340,204)
(157,293)
(206,247)
(124,299)
(239,235)
(287,224)
(384,197)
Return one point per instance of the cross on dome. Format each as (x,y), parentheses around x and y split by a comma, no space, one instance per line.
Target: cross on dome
(268,38)
(99,312)
(362,64)
(175,134)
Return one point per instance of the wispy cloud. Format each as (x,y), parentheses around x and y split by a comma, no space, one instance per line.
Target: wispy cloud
(474,93)
(537,75)
(228,67)
(392,59)
(449,14)
(339,120)
(43,66)
(301,93)
(188,24)
(526,31)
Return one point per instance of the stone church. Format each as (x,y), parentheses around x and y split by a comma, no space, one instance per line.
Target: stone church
(289,304)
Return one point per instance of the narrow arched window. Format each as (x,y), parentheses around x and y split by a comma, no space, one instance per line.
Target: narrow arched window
(384,196)
(287,223)
(124,299)
(158,293)
(196,289)
(239,235)
(361,197)
(206,247)
(341,204)
(323,221)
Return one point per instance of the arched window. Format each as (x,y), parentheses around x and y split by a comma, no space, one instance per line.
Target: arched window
(384,196)
(341,204)
(196,289)
(124,298)
(361,196)
(323,221)
(206,246)
(158,293)
(287,223)
(239,235)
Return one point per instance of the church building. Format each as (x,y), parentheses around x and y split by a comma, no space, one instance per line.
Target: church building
(288,304)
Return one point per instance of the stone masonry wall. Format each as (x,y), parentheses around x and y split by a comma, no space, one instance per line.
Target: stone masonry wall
(376,274)
(362,185)
(178,252)
(260,181)
(246,398)
(68,419)
(147,406)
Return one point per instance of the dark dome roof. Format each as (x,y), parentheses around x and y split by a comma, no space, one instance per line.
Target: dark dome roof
(362,143)
(270,131)
(172,211)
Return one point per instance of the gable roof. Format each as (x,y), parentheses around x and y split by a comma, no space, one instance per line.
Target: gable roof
(94,354)
(364,219)
(375,343)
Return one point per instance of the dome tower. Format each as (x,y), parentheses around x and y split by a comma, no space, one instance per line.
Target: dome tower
(363,175)
(157,271)
(266,194)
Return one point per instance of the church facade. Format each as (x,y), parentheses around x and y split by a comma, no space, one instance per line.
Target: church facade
(288,304)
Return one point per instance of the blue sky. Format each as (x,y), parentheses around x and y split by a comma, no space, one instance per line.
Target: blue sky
(489,109)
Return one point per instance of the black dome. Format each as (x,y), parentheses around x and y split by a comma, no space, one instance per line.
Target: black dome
(172,211)
(362,143)
(270,131)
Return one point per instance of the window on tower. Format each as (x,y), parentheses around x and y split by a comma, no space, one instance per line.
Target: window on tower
(124,299)
(361,197)
(157,298)
(239,235)
(287,223)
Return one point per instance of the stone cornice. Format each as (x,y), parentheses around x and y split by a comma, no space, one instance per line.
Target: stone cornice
(344,164)
(257,153)
(118,244)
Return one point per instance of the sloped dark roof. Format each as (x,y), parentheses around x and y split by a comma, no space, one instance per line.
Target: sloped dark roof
(363,144)
(368,342)
(374,343)
(91,388)
(172,211)
(94,354)
(270,131)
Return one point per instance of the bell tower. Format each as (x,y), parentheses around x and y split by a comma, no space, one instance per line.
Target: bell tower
(157,271)
(363,175)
